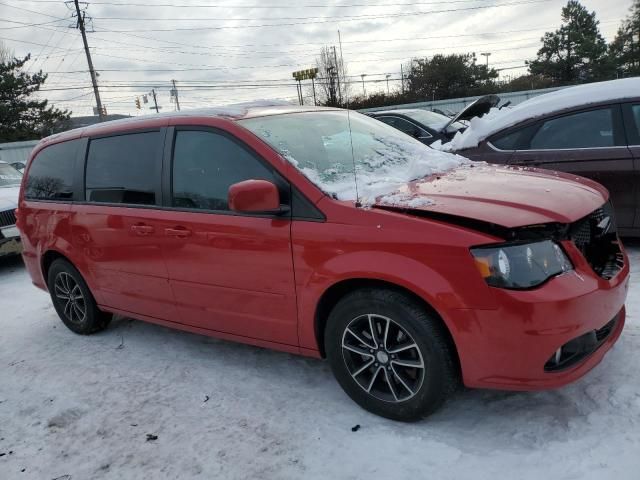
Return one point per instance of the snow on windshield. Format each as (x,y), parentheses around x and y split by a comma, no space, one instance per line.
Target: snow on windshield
(497,120)
(9,176)
(325,146)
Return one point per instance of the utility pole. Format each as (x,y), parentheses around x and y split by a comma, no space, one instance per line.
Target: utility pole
(387,77)
(402,78)
(364,92)
(94,79)
(175,94)
(155,100)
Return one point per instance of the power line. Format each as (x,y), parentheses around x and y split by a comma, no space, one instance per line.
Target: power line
(25,25)
(347,18)
(31,11)
(314,56)
(269,7)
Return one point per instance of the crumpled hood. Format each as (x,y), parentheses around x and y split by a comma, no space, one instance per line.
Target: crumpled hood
(9,197)
(507,196)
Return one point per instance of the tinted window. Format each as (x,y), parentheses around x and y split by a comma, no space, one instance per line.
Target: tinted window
(122,169)
(580,130)
(518,140)
(206,164)
(51,172)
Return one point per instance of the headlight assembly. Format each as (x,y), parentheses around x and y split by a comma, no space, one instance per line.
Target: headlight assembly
(520,266)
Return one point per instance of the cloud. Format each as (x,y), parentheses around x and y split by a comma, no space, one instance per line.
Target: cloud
(236,59)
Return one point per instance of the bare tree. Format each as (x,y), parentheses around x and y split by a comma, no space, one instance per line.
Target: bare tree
(6,54)
(332,88)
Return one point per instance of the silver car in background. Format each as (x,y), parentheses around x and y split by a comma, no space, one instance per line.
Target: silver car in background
(10,179)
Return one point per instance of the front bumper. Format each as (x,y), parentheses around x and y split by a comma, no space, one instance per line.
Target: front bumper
(508,348)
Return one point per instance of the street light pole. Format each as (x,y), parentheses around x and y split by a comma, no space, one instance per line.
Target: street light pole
(364,92)
(387,76)
(486,55)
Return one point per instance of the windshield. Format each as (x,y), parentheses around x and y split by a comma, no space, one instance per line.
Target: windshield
(325,149)
(433,120)
(9,176)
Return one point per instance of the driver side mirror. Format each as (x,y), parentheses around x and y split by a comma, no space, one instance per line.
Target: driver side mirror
(254,196)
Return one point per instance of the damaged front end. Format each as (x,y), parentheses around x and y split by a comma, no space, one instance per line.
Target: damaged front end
(594,235)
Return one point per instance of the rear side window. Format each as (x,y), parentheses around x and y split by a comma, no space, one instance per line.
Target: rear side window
(206,164)
(122,169)
(589,129)
(51,172)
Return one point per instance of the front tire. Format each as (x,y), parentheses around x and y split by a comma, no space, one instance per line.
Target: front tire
(73,300)
(390,354)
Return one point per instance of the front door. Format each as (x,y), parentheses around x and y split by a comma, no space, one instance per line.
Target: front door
(589,143)
(229,272)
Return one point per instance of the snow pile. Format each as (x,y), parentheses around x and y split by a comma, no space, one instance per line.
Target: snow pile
(497,120)
(383,170)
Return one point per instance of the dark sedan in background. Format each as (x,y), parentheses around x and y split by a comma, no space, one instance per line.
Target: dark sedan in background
(428,126)
(597,137)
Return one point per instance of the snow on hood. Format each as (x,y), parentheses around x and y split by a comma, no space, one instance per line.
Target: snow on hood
(497,120)
(9,197)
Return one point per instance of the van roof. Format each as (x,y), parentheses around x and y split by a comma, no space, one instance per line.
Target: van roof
(231,112)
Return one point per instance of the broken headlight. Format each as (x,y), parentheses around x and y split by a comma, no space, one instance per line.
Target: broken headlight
(520,266)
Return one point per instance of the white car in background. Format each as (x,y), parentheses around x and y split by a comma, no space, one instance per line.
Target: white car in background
(10,179)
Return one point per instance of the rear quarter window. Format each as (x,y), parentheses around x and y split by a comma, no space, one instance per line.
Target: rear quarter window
(50,176)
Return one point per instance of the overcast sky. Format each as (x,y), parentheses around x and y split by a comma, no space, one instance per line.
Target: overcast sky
(210,46)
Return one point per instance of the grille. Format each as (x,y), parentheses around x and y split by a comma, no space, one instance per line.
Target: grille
(7,218)
(596,237)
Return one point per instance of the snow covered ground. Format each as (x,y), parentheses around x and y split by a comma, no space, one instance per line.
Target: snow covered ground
(79,408)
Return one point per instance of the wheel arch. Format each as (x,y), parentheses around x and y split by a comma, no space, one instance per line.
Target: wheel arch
(47,259)
(338,290)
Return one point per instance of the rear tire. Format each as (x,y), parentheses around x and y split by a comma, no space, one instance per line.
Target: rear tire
(390,354)
(73,300)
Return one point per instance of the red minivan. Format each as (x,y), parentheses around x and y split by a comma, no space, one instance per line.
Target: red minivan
(329,234)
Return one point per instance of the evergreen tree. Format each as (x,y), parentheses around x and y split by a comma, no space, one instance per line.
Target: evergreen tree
(448,76)
(625,49)
(576,52)
(23,117)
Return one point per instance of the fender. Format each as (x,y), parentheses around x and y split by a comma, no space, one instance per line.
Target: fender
(405,272)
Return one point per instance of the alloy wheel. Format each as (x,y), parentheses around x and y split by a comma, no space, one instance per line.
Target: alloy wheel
(382,358)
(69,295)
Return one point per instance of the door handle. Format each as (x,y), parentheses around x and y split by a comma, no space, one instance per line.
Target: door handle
(179,232)
(142,229)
